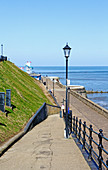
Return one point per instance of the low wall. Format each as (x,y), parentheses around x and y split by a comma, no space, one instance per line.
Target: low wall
(39,116)
(53,109)
(88,102)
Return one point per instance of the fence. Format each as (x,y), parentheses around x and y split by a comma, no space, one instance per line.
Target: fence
(90,140)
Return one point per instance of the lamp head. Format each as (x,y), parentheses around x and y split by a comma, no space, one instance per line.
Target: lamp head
(67,50)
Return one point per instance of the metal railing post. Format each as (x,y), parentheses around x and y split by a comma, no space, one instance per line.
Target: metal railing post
(70,121)
(84,132)
(76,125)
(107,162)
(90,141)
(79,129)
(80,132)
(100,158)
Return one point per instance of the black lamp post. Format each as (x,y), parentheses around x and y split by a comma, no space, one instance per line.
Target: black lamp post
(68,97)
(53,86)
(46,82)
(67,50)
(1,49)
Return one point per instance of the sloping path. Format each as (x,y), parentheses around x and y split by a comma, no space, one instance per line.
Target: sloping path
(85,113)
(44,148)
(81,110)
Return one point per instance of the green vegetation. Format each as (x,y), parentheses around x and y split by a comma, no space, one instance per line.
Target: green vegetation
(26,99)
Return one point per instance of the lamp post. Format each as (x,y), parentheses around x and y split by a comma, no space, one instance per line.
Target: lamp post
(46,82)
(68,98)
(67,50)
(1,49)
(53,86)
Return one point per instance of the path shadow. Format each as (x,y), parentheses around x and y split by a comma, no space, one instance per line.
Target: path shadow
(7,112)
(13,106)
(2,124)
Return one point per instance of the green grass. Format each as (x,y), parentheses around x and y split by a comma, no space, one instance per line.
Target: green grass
(26,96)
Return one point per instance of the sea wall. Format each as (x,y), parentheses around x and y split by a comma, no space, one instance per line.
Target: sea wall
(88,102)
(91,104)
(79,89)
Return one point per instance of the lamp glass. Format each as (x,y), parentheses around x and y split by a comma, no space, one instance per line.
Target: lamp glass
(67,50)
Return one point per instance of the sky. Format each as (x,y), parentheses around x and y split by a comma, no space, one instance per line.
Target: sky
(37,31)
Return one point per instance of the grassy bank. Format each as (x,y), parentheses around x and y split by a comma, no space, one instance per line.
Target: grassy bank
(26,98)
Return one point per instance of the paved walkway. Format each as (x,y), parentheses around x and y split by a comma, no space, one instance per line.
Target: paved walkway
(81,110)
(85,113)
(44,148)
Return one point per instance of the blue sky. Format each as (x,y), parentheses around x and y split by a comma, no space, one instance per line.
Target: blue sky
(37,30)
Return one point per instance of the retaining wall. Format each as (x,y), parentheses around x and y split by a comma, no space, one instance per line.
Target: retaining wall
(38,117)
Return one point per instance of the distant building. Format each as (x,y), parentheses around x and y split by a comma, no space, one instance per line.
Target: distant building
(28,67)
(36,76)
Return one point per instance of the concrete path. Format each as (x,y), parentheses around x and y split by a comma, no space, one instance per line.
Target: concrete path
(85,113)
(44,148)
(81,110)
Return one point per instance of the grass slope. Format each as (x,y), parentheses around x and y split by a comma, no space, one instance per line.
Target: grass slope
(26,97)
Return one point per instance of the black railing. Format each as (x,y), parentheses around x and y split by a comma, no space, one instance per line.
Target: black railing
(90,140)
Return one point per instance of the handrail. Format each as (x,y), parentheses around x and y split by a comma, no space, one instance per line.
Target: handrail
(53,106)
(54,98)
(86,138)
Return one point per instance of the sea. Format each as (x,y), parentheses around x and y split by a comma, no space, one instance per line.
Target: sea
(91,77)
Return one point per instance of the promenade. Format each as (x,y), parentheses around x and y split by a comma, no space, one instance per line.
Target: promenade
(81,110)
(44,147)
